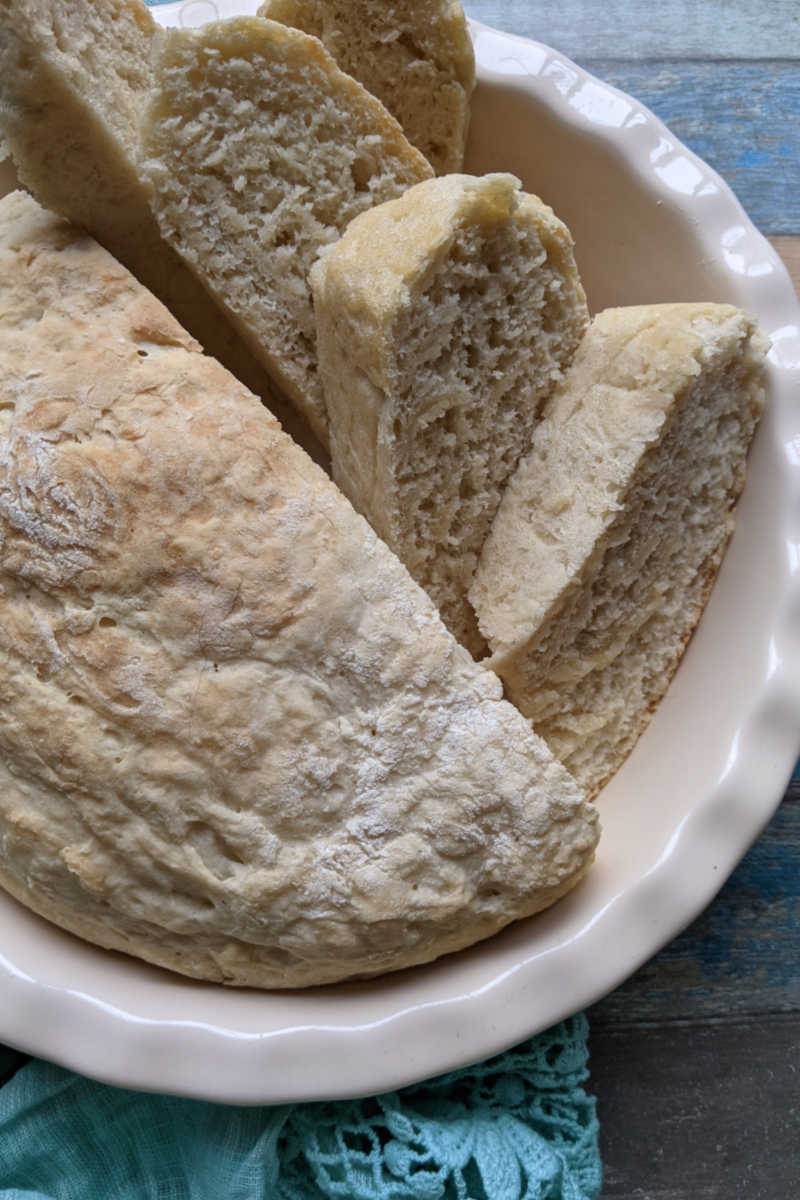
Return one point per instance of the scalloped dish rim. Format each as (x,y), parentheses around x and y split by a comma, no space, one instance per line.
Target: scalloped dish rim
(123,1022)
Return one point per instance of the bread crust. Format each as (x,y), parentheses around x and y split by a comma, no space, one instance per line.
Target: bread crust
(236,740)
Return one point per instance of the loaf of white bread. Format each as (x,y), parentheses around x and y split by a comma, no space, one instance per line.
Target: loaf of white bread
(260,151)
(610,533)
(237,740)
(444,319)
(414,55)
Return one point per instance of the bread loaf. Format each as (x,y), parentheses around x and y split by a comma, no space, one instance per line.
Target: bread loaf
(609,536)
(414,55)
(444,318)
(74,77)
(237,740)
(260,151)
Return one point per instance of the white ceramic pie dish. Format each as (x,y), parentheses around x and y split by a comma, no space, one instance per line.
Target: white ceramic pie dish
(652,223)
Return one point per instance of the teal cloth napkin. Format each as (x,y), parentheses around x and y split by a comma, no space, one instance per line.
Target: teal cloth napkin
(517,1127)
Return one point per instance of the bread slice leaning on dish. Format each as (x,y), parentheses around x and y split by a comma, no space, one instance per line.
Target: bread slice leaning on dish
(237,740)
(444,320)
(610,533)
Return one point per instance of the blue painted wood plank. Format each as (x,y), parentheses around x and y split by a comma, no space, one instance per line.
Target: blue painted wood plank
(742,118)
(584,29)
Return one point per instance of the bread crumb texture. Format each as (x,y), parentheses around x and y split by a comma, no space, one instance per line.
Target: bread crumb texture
(75,76)
(237,740)
(444,319)
(260,151)
(414,55)
(611,532)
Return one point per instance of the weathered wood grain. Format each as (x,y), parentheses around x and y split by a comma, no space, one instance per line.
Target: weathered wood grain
(695,1061)
(699,1112)
(724,75)
(789,250)
(743,119)
(585,29)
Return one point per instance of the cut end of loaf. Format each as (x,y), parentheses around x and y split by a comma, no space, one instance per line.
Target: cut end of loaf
(73,77)
(96,55)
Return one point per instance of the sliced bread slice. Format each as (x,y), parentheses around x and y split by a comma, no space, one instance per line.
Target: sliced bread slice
(444,318)
(74,77)
(610,534)
(414,55)
(261,151)
(237,740)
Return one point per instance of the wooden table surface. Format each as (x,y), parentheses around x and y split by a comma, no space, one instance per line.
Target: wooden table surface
(696,1059)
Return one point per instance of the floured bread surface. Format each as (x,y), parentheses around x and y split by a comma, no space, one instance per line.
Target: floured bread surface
(610,534)
(74,78)
(236,738)
(261,151)
(414,55)
(444,319)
